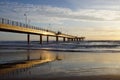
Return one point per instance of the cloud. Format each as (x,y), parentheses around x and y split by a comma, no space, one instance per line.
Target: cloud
(49,14)
(91,20)
(95,4)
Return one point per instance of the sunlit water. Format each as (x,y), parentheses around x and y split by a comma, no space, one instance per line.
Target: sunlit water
(104,61)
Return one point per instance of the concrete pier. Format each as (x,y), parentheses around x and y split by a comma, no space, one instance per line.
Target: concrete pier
(57,39)
(47,39)
(7,25)
(63,39)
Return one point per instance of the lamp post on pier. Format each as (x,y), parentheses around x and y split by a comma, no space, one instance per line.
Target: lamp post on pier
(25,19)
(26,25)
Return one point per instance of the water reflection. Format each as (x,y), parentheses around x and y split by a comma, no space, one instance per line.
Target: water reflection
(53,64)
(34,59)
(28,55)
(59,56)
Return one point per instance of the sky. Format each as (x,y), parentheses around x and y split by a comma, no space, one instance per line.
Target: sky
(94,19)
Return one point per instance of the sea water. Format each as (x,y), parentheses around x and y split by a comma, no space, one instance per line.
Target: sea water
(66,59)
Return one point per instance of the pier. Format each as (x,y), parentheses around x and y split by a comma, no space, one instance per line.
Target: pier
(7,25)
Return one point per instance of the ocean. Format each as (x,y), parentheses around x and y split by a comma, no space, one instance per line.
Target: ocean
(19,61)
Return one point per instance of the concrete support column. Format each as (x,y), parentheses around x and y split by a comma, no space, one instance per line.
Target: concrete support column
(63,39)
(72,39)
(77,39)
(80,39)
(28,38)
(68,39)
(40,39)
(56,38)
(47,38)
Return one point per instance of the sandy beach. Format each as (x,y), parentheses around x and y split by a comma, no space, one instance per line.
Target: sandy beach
(99,77)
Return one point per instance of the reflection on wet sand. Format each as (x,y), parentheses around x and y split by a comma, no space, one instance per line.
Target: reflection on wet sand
(45,57)
(21,65)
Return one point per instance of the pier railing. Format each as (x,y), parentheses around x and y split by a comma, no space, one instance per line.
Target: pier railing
(15,23)
(20,24)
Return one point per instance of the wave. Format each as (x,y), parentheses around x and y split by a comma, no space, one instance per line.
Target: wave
(67,50)
(85,46)
(82,50)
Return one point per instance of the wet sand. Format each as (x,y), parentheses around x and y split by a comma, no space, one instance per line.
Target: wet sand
(99,77)
(5,68)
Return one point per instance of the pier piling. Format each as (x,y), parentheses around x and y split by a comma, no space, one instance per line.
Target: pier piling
(40,39)
(28,38)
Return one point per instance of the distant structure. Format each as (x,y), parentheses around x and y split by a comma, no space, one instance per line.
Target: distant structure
(18,27)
